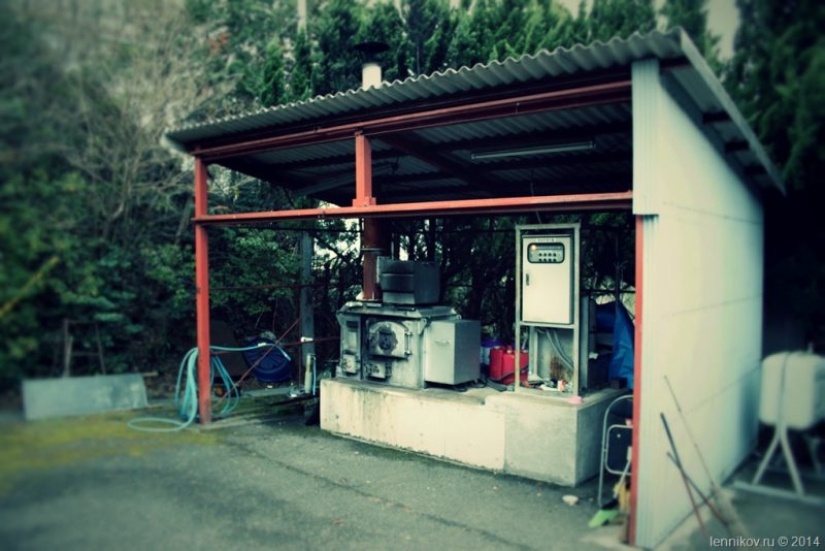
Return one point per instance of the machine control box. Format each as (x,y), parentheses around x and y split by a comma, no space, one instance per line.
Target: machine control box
(545,253)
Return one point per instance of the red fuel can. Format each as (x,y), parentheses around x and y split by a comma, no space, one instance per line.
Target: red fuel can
(502,364)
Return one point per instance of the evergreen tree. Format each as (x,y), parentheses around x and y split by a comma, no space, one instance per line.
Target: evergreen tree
(300,77)
(429,28)
(337,63)
(272,90)
(474,38)
(609,18)
(508,33)
(240,36)
(776,76)
(549,25)
(383,24)
(579,27)
(692,16)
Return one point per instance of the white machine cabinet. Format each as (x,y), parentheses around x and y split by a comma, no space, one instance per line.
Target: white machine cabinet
(452,352)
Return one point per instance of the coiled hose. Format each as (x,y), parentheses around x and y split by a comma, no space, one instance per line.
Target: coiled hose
(186,401)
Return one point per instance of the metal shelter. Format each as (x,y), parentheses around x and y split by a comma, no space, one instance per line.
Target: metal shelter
(551,132)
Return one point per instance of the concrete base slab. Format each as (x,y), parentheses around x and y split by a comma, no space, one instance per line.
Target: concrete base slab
(529,433)
(67,396)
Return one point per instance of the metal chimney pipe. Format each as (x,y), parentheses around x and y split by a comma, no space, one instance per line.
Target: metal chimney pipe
(374,236)
(370,75)
(371,68)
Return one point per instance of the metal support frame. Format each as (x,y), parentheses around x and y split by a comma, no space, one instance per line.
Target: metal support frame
(365,205)
(510,205)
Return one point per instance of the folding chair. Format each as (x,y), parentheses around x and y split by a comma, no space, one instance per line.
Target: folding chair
(616,440)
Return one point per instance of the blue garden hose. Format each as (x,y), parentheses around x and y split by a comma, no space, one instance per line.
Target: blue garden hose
(186,402)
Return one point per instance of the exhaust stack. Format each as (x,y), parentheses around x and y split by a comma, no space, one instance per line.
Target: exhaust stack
(371,68)
(374,237)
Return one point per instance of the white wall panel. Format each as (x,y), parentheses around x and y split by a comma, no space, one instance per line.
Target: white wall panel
(702,298)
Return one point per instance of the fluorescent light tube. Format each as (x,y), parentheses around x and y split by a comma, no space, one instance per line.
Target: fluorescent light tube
(540,150)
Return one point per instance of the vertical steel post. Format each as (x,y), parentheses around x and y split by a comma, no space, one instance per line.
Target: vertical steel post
(363,172)
(637,380)
(306,312)
(202,295)
(373,230)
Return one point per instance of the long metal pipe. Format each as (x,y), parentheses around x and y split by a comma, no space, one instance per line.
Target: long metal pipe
(202,295)
(582,96)
(544,203)
(370,250)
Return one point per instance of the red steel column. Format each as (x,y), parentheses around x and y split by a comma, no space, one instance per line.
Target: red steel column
(363,172)
(373,232)
(202,295)
(637,380)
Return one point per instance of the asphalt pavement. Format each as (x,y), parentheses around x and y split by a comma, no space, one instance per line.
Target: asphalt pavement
(262,485)
(91,483)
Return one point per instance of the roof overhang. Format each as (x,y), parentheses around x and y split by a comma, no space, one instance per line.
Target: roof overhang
(428,136)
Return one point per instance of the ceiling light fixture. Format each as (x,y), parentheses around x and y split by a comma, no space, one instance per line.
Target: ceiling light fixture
(540,150)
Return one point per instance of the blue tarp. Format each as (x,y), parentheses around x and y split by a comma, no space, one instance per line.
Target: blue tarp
(613,317)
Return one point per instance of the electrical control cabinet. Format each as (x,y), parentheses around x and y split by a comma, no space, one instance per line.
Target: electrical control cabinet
(547,279)
(548,308)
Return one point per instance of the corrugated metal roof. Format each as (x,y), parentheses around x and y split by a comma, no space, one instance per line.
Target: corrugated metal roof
(540,66)
(680,61)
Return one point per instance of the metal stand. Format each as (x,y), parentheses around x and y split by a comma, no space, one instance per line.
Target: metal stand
(780,439)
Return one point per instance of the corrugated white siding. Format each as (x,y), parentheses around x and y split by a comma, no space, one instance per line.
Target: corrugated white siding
(702,317)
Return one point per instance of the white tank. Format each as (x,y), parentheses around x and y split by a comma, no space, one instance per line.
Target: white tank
(793,390)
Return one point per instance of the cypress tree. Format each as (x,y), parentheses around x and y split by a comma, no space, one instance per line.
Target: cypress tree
(692,16)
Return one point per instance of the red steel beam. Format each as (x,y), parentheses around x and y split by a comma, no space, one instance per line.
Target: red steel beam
(202,295)
(505,205)
(582,96)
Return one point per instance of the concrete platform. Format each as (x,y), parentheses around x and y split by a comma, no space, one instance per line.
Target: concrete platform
(529,434)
